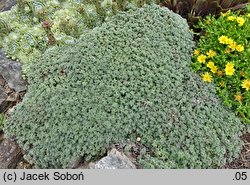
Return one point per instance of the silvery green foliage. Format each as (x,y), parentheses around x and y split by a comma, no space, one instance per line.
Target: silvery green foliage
(128,78)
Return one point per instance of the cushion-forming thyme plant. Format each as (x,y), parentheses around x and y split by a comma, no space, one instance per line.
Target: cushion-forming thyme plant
(129,78)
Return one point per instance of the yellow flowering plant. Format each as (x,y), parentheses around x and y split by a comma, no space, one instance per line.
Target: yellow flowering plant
(222,57)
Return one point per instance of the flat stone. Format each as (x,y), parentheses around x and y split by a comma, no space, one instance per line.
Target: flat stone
(6,4)
(115,160)
(10,154)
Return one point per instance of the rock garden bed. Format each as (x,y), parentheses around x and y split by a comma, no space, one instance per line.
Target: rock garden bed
(129,87)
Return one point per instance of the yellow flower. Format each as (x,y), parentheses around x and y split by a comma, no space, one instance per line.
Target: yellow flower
(230,41)
(231,18)
(212,67)
(207,77)
(210,64)
(229,70)
(230,65)
(211,53)
(201,58)
(240,21)
(233,46)
(239,48)
(196,52)
(246,84)
(219,73)
(238,97)
(223,39)
(226,40)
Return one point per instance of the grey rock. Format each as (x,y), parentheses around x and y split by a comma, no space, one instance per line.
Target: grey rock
(6,4)
(2,81)
(3,95)
(91,165)
(11,72)
(115,160)
(12,85)
(10,154)
(2,54)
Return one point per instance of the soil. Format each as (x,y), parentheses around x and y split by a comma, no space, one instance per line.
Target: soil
(243,161)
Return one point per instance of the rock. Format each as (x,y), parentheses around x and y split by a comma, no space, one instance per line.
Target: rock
(2,81)
(91,165)
(115,160)
(12,85)
(11,72)
(3,95)
(10,154)
(6,4)
(2,55)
